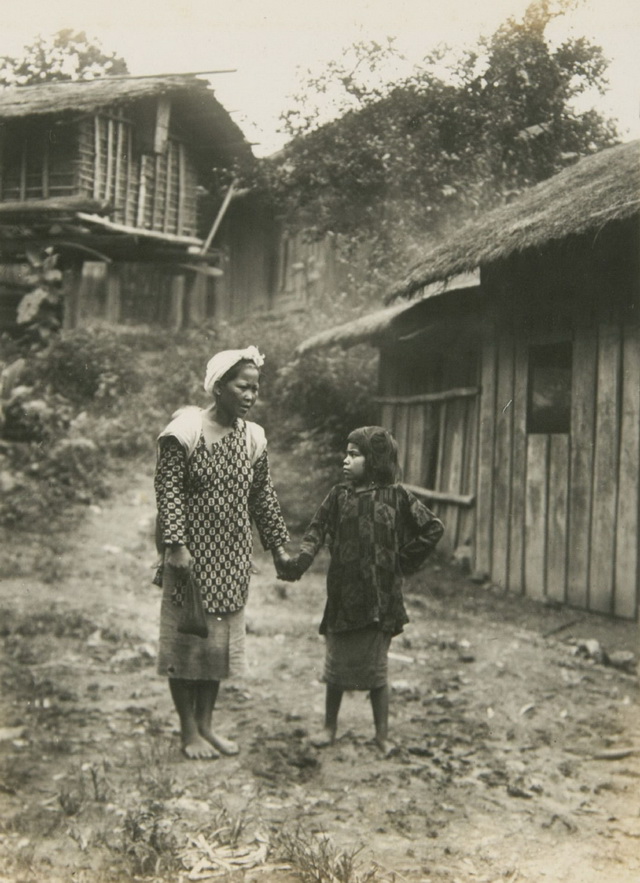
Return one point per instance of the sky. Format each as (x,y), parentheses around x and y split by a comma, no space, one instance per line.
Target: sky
(269,44)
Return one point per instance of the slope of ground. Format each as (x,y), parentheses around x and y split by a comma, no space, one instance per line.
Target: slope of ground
(516,751)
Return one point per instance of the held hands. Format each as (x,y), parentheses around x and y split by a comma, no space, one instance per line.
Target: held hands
(286,566)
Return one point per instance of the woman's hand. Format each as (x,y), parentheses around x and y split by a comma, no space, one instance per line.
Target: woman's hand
(282,563)
(178,557)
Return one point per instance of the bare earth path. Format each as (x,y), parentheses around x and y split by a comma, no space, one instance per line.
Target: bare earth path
(516,757)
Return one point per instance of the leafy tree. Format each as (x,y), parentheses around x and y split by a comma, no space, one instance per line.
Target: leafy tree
(66,55)
(412,158)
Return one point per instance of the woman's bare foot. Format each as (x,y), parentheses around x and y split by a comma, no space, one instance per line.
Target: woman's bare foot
(197,748)
(387,749)
(324,738)
(224,746)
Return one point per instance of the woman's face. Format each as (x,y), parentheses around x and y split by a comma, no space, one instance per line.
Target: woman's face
(238,395)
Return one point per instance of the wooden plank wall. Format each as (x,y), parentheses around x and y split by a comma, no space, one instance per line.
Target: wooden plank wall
(449,428)
(154,191)
(557,514)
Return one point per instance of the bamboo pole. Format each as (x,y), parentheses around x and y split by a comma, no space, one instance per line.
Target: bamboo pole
(219,217)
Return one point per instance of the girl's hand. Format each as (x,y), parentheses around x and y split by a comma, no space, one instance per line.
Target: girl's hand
(178,557)
(283,563)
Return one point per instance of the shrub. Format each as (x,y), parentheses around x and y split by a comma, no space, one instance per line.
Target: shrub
(87,365)
(331,392)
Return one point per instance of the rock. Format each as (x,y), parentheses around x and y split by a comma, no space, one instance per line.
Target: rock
(479,577)
(625,660)
(591,649)
(462,557)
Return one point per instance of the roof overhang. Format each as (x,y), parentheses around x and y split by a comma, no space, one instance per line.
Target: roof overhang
(375,327)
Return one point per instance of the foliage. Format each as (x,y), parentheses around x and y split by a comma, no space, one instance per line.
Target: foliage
(66,55)
(40,310)
(331,394)
(410,159)
(95,397)
(88,365)
(54,450)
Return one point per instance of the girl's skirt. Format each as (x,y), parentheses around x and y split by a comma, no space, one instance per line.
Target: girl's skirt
(357,660)
(219,656)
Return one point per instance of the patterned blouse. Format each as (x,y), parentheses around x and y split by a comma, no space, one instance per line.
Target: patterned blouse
(374,536)
(208,503)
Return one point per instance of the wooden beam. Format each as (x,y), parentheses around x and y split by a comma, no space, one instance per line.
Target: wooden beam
(445,395)
(441,496)
(161,130)
(219,217)
(137,231)
(96,157)
(109,172)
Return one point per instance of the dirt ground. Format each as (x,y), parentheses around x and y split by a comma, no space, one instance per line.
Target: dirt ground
(517,747)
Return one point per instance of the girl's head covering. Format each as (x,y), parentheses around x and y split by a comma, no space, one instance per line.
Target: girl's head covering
(380,451)
(222,362)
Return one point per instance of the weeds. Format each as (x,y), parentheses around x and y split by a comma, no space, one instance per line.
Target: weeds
(319,861)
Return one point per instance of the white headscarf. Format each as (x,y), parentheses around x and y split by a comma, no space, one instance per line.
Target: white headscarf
(218,366)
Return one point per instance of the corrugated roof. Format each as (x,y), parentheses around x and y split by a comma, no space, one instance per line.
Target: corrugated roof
(596,190)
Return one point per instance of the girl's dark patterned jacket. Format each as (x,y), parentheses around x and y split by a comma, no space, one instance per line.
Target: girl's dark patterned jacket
(375,536)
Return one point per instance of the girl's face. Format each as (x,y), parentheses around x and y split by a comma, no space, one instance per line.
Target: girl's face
(353,465)
(235,397)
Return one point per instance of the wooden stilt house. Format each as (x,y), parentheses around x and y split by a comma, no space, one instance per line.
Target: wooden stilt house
(108,173)
(515,397)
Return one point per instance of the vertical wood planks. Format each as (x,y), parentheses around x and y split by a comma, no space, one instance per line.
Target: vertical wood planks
(485,457)
(626,571)
(109,172)
(557,517)
(469,475)
(97,160)
(603,523)
(415,440)
(401,434)
(536,516)
(455,442)
(518,468)
(142,192)
(502,462)
(583,394)
(388,417)
(118,173)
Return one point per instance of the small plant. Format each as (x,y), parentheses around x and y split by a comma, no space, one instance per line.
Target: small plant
(317,860)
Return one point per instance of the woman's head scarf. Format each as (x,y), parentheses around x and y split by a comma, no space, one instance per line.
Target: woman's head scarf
(222,362)
(380,451)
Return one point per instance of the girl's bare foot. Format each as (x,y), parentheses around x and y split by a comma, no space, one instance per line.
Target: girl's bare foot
(224,746)
(324,738)
(197,748)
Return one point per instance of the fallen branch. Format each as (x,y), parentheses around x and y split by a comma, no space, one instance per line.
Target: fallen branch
(614,754)
(560,628)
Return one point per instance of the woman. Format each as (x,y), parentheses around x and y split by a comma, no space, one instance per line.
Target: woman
(212,478)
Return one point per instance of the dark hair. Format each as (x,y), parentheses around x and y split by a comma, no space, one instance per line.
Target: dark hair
(234,370)
(380,451)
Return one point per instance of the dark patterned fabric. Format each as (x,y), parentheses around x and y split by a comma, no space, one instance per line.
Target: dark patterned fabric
(208,503)
(374,536)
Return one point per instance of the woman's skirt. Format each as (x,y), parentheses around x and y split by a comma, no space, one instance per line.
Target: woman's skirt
(219,656)
(357,660)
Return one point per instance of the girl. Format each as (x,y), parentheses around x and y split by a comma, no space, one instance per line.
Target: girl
(376,532)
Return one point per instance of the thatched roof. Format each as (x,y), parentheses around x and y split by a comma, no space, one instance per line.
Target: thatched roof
(196,99)
(596,190)
(372,327)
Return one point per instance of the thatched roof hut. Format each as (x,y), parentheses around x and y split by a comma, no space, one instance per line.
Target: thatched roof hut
(199,106)
(596,190)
